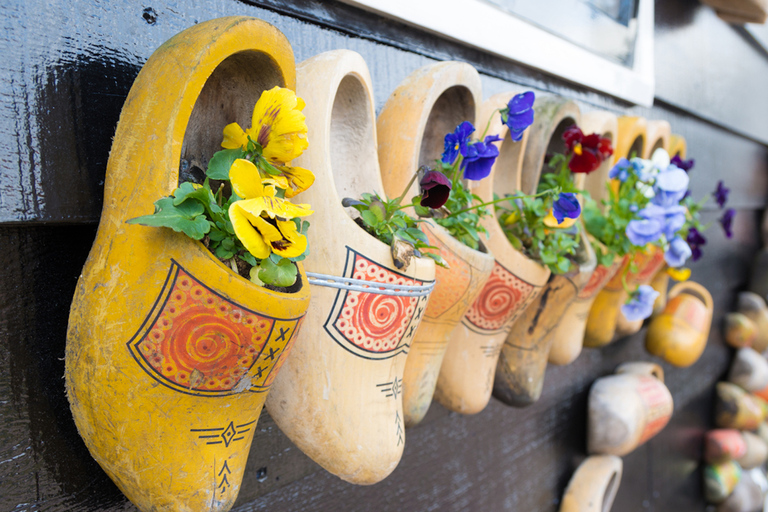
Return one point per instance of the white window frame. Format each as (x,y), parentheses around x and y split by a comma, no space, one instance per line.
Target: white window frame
(484,26)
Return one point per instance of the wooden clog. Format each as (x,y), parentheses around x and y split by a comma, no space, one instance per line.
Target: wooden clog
(740,331)
(756,452)
(632,139)
(749,370)
(723,445)
(735,408)
(720,480)
(677,146)
(747,495)
(466,375)
(339,398)
(679,333)
(658,133)
(430,103)
(523,360)
(753,307)
(170,354)
(627,409)
(569,336)
(593,486)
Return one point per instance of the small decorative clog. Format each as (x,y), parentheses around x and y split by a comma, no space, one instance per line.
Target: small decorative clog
(756,452)
(569,336)
(724,444)
(466,375)
(170,354)
(627,409)
(720,480)
(679,333)
(740,331)
(747,495)
(735,408)
(753,307)
(339,397)
(412,126)
(749,370)
(593,486)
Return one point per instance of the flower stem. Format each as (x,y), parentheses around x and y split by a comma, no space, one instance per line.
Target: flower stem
(488,124)
(407,187)
(502,199)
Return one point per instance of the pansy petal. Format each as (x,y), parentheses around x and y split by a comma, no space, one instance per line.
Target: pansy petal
(521,121)
(244,230)
(245,179)
(234,137)
(299,179)
(279,125)
(275,207)
(521,102)
(660,159)
(296,242)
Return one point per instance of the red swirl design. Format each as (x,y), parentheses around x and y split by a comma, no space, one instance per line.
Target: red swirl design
(501,300)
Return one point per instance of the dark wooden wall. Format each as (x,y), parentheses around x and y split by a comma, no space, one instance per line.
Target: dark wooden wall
(65,70)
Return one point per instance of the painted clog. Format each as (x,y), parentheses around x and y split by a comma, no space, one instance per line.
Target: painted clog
(569,336)
(523,359)
(720,480)
(466,375)
(627,409)
(735,408)
(679,333)
(740,331)
(723,445)
(749,370)
(747,495)
(430,103)
(593,486)
(339,397)
(753,307)
(170,354)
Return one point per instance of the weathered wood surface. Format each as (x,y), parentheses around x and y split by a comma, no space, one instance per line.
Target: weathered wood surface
(66,70)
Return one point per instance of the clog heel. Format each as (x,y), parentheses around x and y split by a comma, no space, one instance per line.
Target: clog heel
(430,103)
(679,333)
(569,336)
(523,359)
(466,375)
(170,354)
(594,485)
(339,397)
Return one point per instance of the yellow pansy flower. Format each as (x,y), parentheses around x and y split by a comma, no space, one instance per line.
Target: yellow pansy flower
(679,274)
(551,222)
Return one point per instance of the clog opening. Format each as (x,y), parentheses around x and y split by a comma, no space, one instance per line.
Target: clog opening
(610,492)
(555,145)
(658,144)
(228,96)
(353,145)
(695,294)
(636,149)
(453,107)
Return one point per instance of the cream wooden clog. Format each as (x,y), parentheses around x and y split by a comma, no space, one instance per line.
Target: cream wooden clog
(594,485)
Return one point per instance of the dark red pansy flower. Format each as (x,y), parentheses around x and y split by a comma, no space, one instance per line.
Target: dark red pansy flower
(587,152)
(435,189)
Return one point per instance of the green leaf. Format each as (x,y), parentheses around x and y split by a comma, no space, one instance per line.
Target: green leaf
(418,234)
(282,274)
(249,259)
(370,218)
(438,259)
(185,218)
(223,253)
(219,164)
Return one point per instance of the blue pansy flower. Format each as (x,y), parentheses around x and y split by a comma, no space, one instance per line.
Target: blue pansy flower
(644,231)
(519,114)
(640,305)
(677,253)
(456,142)
(566,207)
(479,158)
(620,171)
(670,186)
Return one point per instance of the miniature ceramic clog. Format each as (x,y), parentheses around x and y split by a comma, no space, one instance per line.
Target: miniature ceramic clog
(466,375)
(747,495)
(523,360)
(749,370)
(756,452)
(339,397)
(430,103)
(735,408)
(720,480)
(569,336)
(679,333)
(724,444)
(170,354)
(753,307)
(740,331)
(627,409)
(593,486)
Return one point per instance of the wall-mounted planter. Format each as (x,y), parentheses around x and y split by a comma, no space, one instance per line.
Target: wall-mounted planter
(679,333)
(430,103)
(735,408)
(339,397)
(627,409)
(594,485)
(170,354)
(523,360)
(569,337)
(466,375)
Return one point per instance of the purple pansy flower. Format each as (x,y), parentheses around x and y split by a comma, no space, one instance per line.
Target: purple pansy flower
(435,189)
(566,207)
(726,220)
(456,142)
(640,306)
(670,187)
(644,231)
(695,241)
(620,171)
(671,218)
(519,114)
(721,194)
(685,165)
(678,252)
(479,158)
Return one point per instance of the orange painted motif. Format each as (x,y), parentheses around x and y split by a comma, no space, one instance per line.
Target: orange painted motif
(502,299)
(693,312)
(655,398)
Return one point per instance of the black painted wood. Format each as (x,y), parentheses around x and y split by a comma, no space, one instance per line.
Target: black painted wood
(66,70)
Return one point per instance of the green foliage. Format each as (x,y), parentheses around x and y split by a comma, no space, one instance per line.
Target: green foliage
(278,273)
(462,223)
(186,217)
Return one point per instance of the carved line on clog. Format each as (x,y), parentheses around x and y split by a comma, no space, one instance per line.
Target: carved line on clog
(195,356)
(225,435)
(374,325)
